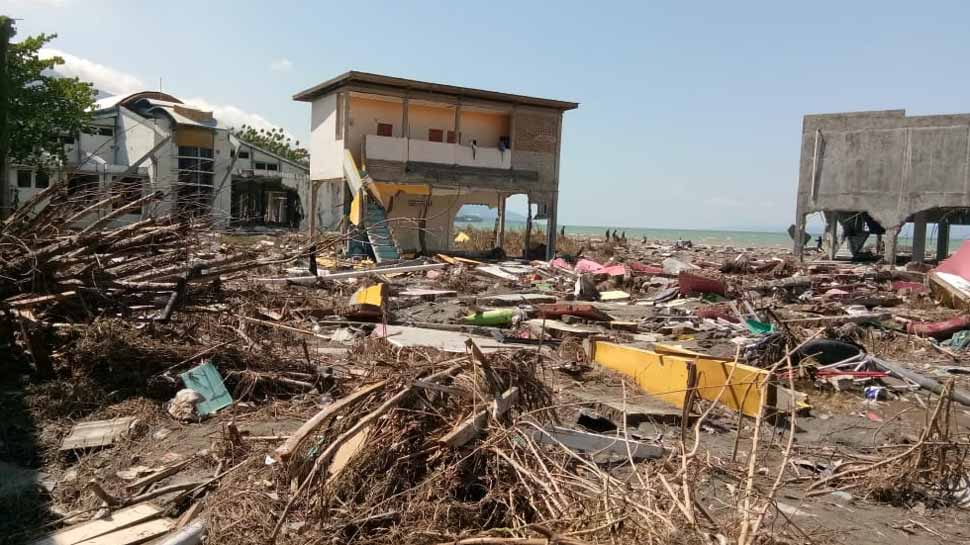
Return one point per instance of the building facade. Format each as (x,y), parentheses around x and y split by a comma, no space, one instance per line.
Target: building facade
(410,154)
(151,141)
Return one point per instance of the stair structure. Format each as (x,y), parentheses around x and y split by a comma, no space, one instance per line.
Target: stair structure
(373,220)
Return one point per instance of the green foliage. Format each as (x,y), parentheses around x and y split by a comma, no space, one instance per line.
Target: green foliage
(274,140)
(42,107)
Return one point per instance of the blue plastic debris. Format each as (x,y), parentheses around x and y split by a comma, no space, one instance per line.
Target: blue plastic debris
(206,380)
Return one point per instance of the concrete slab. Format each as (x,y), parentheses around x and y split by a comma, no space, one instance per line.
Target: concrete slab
(449,341)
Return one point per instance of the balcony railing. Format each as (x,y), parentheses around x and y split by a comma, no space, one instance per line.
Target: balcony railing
(387,148)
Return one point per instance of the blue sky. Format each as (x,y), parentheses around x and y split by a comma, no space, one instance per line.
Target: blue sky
(690,112)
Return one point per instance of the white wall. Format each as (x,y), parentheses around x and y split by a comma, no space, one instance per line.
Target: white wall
(326,152)
(136,137)
(386,148)
(399,149)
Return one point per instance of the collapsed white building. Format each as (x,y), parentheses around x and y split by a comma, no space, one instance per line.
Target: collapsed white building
(150,141)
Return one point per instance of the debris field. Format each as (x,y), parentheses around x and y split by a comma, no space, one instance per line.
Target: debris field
(166,383)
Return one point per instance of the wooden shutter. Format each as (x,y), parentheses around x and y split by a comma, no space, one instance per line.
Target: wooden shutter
(385,129)
(436,135)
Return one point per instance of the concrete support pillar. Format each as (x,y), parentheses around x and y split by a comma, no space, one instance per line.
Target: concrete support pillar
(799,248)
(500,235)
(890,256)
(312,209)
(552,229)
(833,234)
(942,240)
(528,229)
(458,124)
(919,238)
(405,130)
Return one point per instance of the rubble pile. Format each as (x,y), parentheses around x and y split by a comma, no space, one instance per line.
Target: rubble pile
(265,389)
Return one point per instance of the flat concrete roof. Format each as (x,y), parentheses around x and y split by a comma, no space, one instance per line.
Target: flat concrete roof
(349,78)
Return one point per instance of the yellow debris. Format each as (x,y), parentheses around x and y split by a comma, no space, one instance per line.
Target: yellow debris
(666,376)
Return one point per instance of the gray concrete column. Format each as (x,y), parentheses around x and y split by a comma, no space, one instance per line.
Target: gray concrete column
(919,238)
(500,228)
(833,233)
(942,240)
(799,235)
(552,229)
(890,256)
(528,229)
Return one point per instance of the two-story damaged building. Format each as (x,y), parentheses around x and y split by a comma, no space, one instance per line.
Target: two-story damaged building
(400,157)
(150,141)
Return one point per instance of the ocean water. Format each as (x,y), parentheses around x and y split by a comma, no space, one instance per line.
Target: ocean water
(739,239)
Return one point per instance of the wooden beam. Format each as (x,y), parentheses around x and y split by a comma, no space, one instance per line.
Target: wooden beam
(284,451)
(475,424)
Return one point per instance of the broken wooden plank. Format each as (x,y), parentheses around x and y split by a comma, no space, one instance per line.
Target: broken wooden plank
(558,328)
(427,293)
(159,475)
(286,449)
(495,271)
(841,319)
(516,299)
(117,520)
(582,310)
(595,443)
(100,433)
(472,426)
(133,535)
(347,451)
(353,274)
(26,302)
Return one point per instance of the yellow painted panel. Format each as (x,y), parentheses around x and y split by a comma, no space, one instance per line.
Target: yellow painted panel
(384,191)
(666,376)
(743,392)
(357,209)
(370,296)
(662,376)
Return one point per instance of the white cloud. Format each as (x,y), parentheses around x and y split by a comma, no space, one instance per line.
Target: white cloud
(117,82)
(103,77)
(44,3)
(282,65)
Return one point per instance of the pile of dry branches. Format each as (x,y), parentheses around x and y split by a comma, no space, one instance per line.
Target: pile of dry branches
(62,259)
(934,470)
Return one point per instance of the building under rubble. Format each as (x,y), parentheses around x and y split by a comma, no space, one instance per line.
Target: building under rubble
(151,141)
(870,173)
(399,158)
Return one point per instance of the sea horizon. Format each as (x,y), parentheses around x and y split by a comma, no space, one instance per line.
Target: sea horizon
(714,237)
